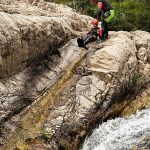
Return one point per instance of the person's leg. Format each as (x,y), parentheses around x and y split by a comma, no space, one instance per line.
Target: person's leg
(107,19)
(85,40)
(85,37)
(81,40)
(90,38)
(105,34)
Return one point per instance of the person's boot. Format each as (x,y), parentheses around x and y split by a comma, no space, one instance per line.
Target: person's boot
(80,42)
(104,38)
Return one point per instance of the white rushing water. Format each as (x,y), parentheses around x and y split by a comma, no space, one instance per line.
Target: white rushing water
(120,133)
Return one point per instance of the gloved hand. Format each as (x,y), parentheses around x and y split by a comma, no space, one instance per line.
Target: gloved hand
(100,24)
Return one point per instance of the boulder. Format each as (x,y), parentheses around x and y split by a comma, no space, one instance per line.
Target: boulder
(28,33)
(62,98)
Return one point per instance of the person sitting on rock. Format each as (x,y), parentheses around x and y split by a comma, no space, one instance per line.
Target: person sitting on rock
(95,33)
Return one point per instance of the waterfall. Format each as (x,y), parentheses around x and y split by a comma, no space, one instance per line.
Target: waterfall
(120,133)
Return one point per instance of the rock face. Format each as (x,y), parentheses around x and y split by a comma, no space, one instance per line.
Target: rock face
(142,41)
(54,102)
(29,32)
(71,92)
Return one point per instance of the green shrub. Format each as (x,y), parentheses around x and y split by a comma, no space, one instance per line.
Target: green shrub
(130,15)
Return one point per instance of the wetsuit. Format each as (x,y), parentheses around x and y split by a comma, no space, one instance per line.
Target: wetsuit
(105,14)
(91,36)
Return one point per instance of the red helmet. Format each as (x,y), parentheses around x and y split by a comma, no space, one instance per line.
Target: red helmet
(94,22)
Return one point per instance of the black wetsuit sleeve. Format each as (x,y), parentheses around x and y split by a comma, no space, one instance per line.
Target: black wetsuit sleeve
(99,13)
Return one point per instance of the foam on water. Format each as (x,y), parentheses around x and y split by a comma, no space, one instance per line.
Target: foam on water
(120,133)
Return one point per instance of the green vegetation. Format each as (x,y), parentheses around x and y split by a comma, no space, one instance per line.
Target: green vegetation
(132,15)
(129,14)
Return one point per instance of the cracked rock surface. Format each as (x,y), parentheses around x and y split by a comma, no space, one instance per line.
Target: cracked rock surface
(52,101)
(54,104)
(30,32)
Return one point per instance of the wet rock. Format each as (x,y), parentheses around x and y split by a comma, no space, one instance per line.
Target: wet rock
(141,101)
